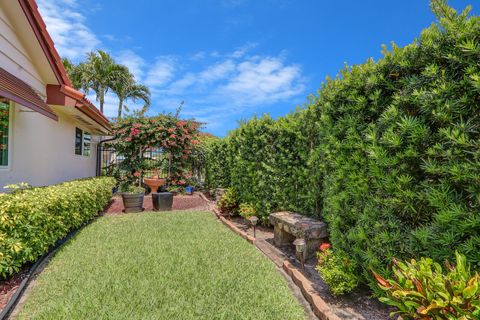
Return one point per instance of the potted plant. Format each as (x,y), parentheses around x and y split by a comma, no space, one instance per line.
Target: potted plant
(132,197)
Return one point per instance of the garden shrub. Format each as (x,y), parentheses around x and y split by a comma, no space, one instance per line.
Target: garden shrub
(337,270)
(247,210)
(216,167)
(387,153)
(423,290)
(229,202)
(32,220)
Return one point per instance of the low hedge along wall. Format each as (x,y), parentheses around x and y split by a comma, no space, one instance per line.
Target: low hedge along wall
(34,219)
(388,153)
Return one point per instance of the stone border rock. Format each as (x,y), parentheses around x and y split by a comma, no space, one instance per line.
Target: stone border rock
(319,306)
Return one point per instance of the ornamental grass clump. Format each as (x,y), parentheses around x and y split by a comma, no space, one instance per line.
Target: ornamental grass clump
(423,290)
(32,220)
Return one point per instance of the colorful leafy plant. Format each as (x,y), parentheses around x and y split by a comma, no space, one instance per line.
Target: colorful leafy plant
(423,290)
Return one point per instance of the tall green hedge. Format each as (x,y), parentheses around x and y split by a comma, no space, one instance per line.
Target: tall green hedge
(388,153)
(32,220)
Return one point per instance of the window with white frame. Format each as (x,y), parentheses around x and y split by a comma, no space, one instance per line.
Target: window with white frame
(4,131)
(83,141)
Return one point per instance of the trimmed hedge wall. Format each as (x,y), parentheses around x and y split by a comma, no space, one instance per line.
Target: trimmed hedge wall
(388,153)
(32,220)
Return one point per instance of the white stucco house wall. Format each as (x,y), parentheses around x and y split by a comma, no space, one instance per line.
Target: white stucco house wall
(48,130)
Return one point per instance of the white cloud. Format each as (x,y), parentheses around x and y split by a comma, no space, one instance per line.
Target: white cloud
(243,50)
(66,25)
(217,71)
(133,61)
(263,82)
(161,72)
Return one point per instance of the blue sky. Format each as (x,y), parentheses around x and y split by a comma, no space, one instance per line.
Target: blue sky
(231,59)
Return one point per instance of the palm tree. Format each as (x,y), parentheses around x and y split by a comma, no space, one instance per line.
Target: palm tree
(99,72)
(75,73)
(126,88)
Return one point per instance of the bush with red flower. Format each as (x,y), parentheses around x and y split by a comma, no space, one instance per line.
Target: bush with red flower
(135,135)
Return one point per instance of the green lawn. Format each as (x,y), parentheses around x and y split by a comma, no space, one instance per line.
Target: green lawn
(177,265)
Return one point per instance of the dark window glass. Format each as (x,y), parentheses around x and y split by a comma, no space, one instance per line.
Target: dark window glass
(4,128)
(86,143)
(78,141)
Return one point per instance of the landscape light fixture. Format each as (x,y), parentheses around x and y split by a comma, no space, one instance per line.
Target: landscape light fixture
(300,246)
(254,221)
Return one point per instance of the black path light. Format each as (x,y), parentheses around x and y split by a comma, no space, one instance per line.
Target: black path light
(300,245)
(254,221)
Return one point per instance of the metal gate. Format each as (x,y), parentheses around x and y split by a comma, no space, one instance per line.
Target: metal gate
(108,160)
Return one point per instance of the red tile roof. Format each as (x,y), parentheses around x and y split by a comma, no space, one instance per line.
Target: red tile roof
(16,90)
(30,9)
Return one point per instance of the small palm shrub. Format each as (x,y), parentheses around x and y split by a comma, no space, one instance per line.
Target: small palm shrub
(32,220)
(423,290)
(229,202)
(337,270)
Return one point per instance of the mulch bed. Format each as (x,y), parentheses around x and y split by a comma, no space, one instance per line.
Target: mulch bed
(9,286)
(355,305)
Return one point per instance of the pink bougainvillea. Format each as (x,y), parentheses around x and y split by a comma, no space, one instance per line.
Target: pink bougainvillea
(135,135)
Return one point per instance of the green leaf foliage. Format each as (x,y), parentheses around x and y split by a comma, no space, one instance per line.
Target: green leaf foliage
(387,153)
(338,271)
(32,220)
(423,290)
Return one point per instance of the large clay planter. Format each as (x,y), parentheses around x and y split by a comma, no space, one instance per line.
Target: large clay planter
(162,201)
(154,183)
(133,202)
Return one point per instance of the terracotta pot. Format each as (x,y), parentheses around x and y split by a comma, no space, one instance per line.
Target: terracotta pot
(133,202)
(154,183)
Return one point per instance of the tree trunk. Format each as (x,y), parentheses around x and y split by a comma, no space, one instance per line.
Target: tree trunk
(120,107)
(101,99)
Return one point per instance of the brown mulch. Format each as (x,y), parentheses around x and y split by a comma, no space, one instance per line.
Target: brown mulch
(180,202)
(355,305)
(9,286)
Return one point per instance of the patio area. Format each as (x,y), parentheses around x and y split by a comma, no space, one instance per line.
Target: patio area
(180,202)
